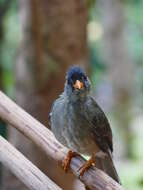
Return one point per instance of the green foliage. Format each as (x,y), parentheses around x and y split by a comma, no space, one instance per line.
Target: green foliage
(135,39)
(9,46)
(132,175)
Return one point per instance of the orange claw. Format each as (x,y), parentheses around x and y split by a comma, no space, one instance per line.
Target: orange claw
(67,160)
(87,165)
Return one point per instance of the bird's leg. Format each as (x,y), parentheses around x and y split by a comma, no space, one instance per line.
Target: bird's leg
(87,165)
(67,160)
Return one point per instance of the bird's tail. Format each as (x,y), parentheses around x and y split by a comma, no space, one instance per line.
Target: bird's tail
(106,164)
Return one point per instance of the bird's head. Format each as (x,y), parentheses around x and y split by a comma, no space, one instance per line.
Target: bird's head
(77,82)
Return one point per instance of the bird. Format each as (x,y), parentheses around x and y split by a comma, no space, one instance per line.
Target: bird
(79,123)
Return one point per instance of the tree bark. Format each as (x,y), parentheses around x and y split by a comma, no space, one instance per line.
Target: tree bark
(44,138)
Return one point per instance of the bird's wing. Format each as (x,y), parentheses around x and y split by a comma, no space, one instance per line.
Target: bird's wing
(60,99)
(103,137)
(100,127)
(49,118)
(50,114)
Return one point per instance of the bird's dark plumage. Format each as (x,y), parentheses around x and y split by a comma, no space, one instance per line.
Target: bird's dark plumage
(75,73)
(79,123)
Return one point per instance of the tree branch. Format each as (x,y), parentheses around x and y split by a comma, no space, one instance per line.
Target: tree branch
(40,135)
(29,174)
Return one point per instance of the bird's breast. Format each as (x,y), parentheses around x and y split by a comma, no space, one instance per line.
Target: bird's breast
(72,129)
(77,132)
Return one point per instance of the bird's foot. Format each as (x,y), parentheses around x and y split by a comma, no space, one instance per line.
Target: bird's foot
(67,160)
(91,162)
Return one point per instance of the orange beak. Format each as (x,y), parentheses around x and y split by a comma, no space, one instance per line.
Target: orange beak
(78,84)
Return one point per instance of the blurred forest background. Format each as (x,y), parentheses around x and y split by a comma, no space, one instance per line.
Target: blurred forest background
(40,39)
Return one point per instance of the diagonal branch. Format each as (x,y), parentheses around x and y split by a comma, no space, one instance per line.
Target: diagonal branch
(43,137)
(29,174)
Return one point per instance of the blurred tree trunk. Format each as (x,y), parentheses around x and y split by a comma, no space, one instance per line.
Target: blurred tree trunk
(54,37)
(120,68)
